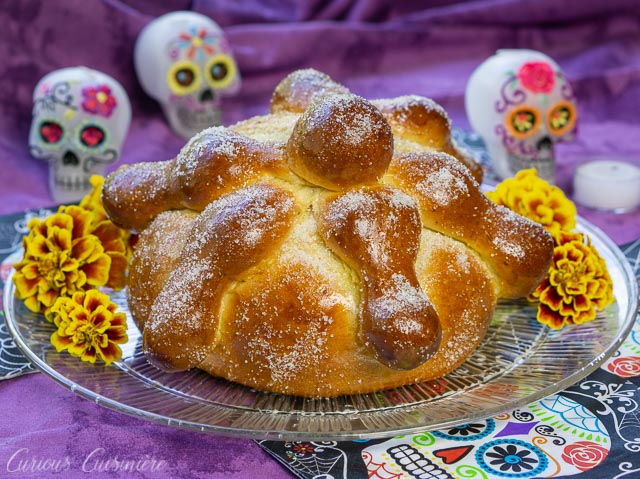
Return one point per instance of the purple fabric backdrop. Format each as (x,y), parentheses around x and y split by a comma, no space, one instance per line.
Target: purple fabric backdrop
(378,48)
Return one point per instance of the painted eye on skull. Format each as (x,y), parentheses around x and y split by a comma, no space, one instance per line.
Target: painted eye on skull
(183,77)
(92,136)
(561,118)
(523,121)
(51,132)
(220,70)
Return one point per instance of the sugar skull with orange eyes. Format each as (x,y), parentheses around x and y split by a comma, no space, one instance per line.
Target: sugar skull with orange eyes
(80,120)
(520,103)
(184,61)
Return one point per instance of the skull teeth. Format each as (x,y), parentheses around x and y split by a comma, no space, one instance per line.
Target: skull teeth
(67,183)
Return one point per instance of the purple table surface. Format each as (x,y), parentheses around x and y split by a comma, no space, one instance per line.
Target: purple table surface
(377,48)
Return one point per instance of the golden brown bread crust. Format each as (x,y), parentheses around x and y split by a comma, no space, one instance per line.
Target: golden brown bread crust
(291,260)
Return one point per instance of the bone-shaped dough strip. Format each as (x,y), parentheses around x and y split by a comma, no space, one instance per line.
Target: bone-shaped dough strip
(377,232)
(423,121)
(213,163)
(515,248)
(230,235)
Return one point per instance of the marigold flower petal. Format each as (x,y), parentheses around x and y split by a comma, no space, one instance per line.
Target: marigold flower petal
(59,342)
(57,221)
(110,237)
(81,219)
(86,249)
(551,298)
(58,239)
(32,304)
(580,303)
(100,321)
(38,246)
(69,265)
(585,316)
(551,318)
(97,272)
(25,287)
(110,353)
(117,271)
(48,297)
(28,268)
(84,352)
(91,300)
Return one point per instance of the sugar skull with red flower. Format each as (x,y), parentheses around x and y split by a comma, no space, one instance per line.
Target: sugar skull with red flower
(521,104)
(80,120)
(183,61)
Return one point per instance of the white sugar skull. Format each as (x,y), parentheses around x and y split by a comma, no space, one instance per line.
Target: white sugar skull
(520,103)
(184,61)
(80,120)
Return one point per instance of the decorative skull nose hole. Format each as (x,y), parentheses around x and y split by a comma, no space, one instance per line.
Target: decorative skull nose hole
(207,95)
(70,159)
(544,143)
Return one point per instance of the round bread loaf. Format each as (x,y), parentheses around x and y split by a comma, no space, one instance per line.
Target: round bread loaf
(333,246)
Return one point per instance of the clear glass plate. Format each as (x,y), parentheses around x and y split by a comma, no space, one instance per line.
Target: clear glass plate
(519,361)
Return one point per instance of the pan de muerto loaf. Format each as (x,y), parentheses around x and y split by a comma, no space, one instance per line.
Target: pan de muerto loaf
(332,246)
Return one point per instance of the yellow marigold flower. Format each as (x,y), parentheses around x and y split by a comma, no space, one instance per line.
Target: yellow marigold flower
(78,248)
(60,258)
(88,326)
(577,284)
(534,198)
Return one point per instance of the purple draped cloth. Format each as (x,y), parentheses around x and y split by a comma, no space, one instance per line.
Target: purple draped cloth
(377,48)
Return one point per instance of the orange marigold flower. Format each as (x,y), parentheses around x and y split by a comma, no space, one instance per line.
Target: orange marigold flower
(577,284)
(534,198)
(88,326)
(60,258)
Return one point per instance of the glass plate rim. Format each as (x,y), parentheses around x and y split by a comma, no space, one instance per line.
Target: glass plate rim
(382,432)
